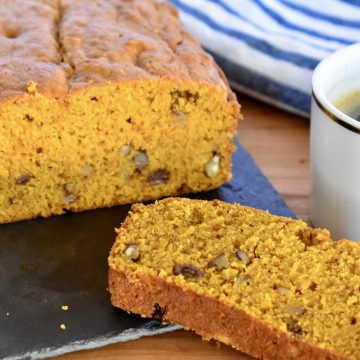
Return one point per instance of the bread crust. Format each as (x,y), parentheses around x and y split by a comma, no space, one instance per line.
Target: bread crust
(209,318)
(63,46)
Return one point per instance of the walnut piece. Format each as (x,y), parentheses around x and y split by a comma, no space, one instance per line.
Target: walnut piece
(22,180)
(70,195)
(69,187)
(220,262)
(132,252)
(295,310)
(125,150)
(181,117)
(243,256)
(158,177)
(212,167)
(188,271)
(141,160)
(293,326)
(70,198)
(241,279)
(87,171)
(283,291)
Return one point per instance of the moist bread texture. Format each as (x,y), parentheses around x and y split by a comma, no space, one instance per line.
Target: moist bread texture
(106,102)
(267,285)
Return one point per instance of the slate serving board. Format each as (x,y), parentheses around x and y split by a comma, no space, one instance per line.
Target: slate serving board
(47,263)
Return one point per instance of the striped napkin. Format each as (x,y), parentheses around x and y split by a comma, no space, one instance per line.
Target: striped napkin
(268,48)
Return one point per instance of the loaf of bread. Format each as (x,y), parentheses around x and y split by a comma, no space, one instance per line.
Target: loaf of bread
(269,286)
(106,102)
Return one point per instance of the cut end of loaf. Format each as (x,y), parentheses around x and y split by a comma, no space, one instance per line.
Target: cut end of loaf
(267,285)
(113,144)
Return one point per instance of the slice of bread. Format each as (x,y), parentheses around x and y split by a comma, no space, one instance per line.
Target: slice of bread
(267,285)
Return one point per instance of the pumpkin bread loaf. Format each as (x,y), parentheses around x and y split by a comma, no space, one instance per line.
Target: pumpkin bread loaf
(106,102)
(267,285)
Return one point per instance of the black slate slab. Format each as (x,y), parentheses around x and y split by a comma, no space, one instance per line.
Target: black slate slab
(47,263)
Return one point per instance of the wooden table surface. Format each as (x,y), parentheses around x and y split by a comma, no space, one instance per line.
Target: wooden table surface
(279,142)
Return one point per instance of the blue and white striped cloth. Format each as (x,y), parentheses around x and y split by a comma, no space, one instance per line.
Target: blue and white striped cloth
(268,48)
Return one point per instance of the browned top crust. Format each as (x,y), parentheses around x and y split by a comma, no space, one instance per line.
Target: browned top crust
(63,45)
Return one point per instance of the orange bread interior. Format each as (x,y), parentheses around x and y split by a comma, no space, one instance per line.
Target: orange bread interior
(267,285)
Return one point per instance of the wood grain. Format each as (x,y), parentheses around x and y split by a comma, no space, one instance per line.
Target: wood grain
(279,142)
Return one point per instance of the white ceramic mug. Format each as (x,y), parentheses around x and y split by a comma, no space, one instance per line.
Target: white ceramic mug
(335,147)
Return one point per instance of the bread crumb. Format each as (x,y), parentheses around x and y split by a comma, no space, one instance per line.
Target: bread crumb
(62,327)
(65,307)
